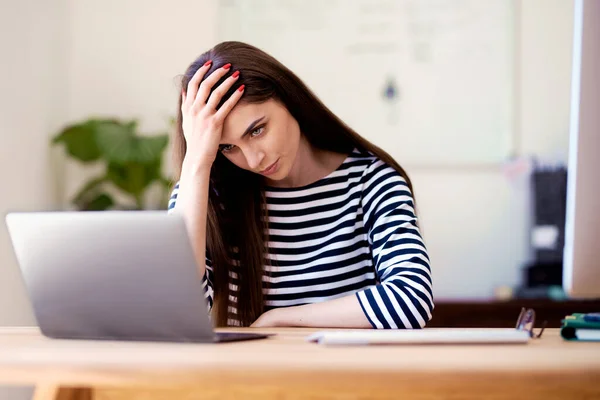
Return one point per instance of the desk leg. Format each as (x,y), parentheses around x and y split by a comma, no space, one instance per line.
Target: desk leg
(62,393)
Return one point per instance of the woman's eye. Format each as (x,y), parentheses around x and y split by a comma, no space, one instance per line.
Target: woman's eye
(226,148)
(257,131)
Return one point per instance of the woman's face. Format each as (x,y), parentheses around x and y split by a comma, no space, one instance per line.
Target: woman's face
(262,138)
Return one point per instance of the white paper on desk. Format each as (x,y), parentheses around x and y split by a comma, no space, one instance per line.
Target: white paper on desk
(420,336)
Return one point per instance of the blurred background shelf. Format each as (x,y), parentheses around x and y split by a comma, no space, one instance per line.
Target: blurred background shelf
(503,314)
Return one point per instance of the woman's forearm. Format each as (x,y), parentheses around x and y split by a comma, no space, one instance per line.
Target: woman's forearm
(192,204)
(344,312)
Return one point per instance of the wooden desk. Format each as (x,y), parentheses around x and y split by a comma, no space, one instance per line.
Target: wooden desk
(286,367)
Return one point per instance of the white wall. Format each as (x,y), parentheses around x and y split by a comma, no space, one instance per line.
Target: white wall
(125,57)
(476,220)
(546,47)
(32,97)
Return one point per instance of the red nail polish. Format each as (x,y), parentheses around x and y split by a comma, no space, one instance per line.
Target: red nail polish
(235,74)
(241,88)
(207,63)
(226,66)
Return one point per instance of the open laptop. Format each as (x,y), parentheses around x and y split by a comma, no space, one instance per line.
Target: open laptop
(114,275)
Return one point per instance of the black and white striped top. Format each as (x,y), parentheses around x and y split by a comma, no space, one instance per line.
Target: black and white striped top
(352,232)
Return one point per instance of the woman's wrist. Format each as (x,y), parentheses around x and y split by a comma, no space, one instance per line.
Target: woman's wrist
(192,167)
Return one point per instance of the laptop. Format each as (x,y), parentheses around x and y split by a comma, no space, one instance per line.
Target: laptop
(113,275)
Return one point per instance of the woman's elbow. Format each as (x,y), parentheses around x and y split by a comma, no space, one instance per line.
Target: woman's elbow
(427,317)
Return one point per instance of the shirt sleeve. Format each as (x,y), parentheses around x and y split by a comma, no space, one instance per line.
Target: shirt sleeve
(208,278)
(403,297)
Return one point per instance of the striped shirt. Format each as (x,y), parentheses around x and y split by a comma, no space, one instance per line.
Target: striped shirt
(353,232)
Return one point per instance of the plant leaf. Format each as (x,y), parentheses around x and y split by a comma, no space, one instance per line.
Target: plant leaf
(101,202)
(116,141)
(133,178)
(89,188)
(117,174)
(80,141)
(149,149)
(132,126)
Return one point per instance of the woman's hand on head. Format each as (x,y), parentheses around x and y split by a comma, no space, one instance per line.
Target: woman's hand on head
(202,122)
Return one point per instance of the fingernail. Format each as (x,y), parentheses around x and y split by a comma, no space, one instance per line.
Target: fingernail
(241,88)
(226,66)
(207,63)
(235,74)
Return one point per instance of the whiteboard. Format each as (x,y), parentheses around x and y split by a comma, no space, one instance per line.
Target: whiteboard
(429,81)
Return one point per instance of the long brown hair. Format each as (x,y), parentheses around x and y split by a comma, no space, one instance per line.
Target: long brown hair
(236,225)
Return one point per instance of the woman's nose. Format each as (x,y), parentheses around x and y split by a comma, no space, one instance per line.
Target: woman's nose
(255,159)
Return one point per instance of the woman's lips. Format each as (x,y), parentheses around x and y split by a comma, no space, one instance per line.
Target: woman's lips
(271,169)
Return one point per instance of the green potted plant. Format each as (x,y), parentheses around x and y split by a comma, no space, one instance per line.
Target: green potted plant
(132,162)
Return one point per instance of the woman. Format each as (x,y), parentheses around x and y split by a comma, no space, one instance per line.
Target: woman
(295,219)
